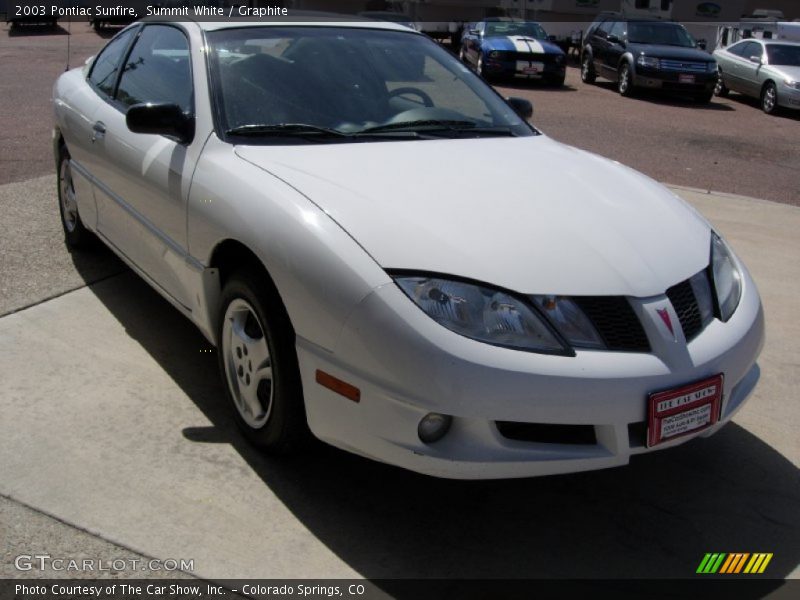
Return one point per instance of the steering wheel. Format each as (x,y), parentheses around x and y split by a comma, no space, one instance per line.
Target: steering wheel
(401,91)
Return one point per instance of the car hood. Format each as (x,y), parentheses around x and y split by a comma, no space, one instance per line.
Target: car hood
(673,52)
(528,214)
(520,43)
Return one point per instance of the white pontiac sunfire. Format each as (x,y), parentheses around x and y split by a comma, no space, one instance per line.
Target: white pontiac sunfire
(389,257)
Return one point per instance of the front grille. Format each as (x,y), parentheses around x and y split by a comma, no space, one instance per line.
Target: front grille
(683,66)
(542,58)
(685,305)
(544,433)
(615,322)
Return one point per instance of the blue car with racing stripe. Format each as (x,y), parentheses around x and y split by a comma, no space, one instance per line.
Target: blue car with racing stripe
(519,49)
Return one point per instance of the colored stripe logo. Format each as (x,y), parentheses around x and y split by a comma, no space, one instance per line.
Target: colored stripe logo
(734,563)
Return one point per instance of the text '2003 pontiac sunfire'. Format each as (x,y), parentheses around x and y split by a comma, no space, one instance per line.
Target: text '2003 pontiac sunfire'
(389,257)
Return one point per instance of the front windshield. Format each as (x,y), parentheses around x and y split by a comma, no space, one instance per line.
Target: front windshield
(665,34)
(783,55)
(503,28)
(310,81)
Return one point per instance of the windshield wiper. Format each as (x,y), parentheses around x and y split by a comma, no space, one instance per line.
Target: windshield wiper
(423,124)
(431,125)
(286,129)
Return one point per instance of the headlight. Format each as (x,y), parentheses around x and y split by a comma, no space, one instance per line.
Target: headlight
(494,54)
(649,62)
(484,314)
(559,59)
(795,85)
(712,67)
(727,278)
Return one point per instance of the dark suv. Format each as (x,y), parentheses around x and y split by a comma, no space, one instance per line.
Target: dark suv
(647,54)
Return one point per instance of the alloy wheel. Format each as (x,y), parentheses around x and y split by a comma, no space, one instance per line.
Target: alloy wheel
(248,364)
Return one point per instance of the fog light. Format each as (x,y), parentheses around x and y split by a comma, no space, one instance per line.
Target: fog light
(433,427)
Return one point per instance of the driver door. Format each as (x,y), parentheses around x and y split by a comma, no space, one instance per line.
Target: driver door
(143,180)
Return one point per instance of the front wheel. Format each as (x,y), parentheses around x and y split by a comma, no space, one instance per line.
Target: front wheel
(479,67)
(769,99)
(258,363)
(625,80)
(587,70)
(76,236)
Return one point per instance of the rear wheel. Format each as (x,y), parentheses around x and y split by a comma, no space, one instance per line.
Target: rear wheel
(769,98)
(258,363)
(625,80)
(75,234)
(587,70)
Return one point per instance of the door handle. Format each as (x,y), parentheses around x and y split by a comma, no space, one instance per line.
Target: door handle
(98,131)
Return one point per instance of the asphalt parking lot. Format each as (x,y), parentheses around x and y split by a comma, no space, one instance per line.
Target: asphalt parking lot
(114,441)
(728,146)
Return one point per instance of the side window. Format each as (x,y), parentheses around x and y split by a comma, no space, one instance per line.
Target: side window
(755,49)
(604,29)
(738,49)
(106,65)
(158,69)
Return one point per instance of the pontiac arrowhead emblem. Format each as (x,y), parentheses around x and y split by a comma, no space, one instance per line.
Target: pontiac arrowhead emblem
(664,314)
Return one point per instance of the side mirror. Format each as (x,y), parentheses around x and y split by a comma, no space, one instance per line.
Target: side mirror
(161,119)
(551,38)
(702,44)
(474,32)
(522,107)
(613,39)
(755,59)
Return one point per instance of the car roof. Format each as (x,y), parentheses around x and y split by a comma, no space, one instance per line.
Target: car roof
(767,42)
(302,18)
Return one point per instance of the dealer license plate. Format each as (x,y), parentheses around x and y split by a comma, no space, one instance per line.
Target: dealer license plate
(531,69)
(686,78)
(684,410)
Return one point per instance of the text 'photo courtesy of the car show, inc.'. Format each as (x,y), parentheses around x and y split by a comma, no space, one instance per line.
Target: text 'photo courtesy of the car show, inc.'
(399,299)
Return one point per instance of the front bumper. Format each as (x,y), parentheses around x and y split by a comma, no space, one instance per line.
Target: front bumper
(407,366)
(675,81)
(548,68)
(788,97)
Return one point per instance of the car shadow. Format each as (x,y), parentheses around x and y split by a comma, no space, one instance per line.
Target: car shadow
(534,86)
(666,98)
(35,29)
(742,99)
(655,518)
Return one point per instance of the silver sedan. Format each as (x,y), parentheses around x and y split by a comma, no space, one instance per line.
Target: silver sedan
(765,69)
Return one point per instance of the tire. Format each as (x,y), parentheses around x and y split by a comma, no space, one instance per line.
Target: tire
(462,56)
(76,236)
(704,97)
(258,364)
(769,98)
(479,66)
(625,81)
(587,70)
(720,89)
